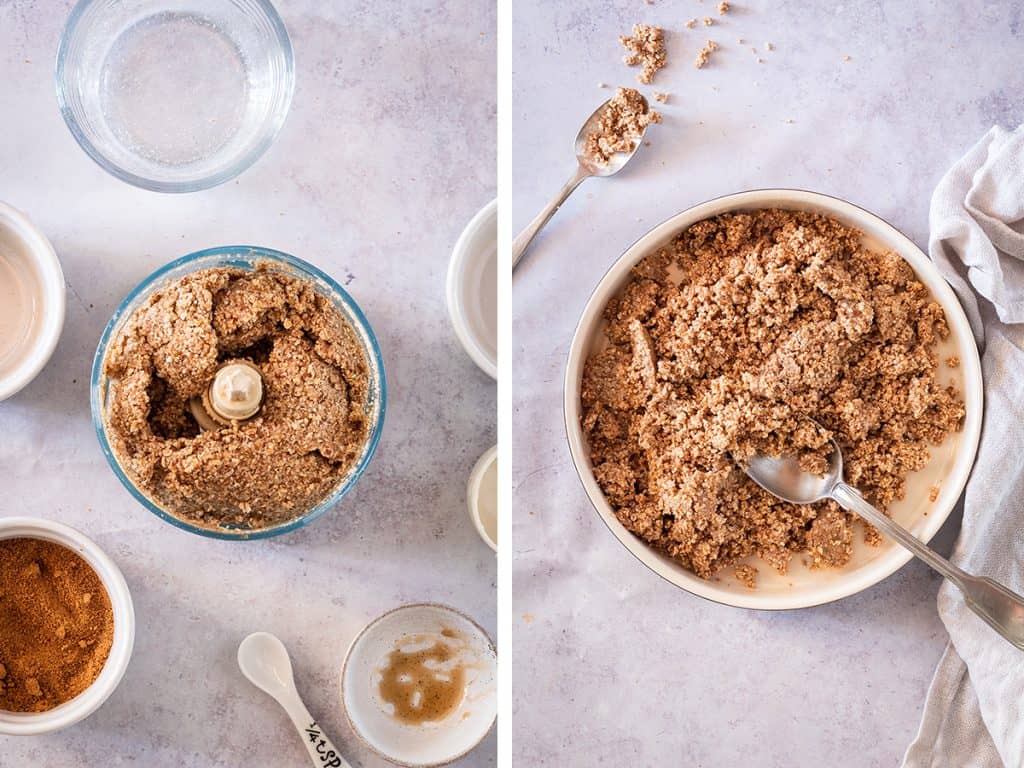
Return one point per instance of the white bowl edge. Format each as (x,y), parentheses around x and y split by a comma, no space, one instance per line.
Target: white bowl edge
(453,293)
(476,476)
(52,276)
(890,557)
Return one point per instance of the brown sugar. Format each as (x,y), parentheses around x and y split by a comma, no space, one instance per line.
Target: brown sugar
(722,345)
(645,48)
(56,625)
(310,430)
(619,126)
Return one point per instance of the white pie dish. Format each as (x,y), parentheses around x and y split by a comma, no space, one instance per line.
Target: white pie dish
(89,700)
(471,289)
(948,469)
(434,743)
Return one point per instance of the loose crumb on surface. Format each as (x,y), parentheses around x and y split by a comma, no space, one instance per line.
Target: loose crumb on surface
(645,48)
(953,362)
(691,24)
(708,21)
(723,8)
(619,126)
(661,97)
(846,58)
(721,346)
(933,493)
(602,85)
(705,53)
(769,47)
(746,575)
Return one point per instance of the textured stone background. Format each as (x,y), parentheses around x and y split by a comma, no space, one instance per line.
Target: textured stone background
(387,153)
(618,667)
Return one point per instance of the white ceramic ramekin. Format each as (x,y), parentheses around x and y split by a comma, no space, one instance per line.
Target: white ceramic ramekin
(432,744)
(472,289)
(948,469)
(89,700)
(474,489)
(22,240)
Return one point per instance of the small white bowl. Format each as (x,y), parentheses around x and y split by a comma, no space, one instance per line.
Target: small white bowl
(472,289)
(481,491)
(89,700)
(948,469)
(27,259)
(431,744)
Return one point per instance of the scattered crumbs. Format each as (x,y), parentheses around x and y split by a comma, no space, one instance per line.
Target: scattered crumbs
(747,575)
(691,24)
(528,618)
(708,21)
(705,53)
(661,97)
(647,48)
(953,362)
(933,493)
(769,47)
(846,58)
(723,8)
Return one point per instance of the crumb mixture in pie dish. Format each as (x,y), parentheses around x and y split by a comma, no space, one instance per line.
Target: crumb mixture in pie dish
(311,425)
(722,344)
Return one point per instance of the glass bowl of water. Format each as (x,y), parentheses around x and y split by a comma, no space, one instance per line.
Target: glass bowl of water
(174,95)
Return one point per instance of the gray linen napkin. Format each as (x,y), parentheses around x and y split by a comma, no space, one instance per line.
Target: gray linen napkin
(972,715)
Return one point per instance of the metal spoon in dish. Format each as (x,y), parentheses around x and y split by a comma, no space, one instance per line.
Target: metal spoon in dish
(585,168)
(264,660)
(1002,609)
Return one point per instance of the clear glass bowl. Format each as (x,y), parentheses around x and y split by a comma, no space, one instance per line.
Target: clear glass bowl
(242,257)
(174,95)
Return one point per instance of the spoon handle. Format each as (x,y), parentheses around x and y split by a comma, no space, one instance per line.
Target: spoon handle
(1000,608)
(524,238)
(320,748)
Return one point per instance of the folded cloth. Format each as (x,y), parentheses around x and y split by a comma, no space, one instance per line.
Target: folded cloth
(972,715)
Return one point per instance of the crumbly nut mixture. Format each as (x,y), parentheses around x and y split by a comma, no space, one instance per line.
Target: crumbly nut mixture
(722,345)
(705,53)
(645,48)
(263,471)
(619,126)
(746,575)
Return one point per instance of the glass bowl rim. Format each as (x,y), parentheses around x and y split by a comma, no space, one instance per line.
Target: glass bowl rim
(249,253)
(243,161)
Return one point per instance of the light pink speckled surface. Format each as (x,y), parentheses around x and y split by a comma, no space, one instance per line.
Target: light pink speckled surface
(615,666)
(387,153)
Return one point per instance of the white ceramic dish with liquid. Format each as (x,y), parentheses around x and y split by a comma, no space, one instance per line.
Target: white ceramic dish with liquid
(472,289)
(31,300)
(948,469)
(89,700)
(430,744)
(482,497)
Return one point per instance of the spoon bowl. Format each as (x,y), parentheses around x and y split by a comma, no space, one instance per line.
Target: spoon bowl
(781,476)
(264,661)
(619,159)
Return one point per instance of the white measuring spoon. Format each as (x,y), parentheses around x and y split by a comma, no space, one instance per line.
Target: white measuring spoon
(264,661)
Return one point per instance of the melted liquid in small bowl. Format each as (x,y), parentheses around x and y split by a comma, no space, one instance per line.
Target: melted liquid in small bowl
(424,678)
